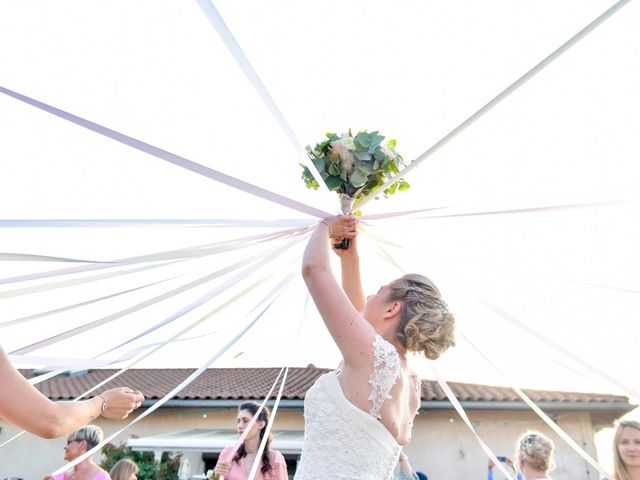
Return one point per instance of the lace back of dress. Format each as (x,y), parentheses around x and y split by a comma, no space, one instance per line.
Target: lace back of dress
(386,372)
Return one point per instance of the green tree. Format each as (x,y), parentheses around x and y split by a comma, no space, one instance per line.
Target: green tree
(145,460)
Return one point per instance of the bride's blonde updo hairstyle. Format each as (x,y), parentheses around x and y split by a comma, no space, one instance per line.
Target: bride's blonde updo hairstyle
(426,325)
(536,451)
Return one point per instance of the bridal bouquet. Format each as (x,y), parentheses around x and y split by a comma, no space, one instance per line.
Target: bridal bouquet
(355,166)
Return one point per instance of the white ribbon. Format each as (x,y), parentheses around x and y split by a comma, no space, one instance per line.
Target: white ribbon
(182,253)
(272,294)
(265,438)
(179,387)
(89,363)
(559,348)
(246,431)
(154,222)
(450,395)
(501,96)
(242,275)
(147,303)
(561,433)
(159,345)
(241,59)
(458,407)
(170,157)
(35,316)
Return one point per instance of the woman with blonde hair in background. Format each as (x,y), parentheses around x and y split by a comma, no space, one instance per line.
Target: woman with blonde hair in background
(626,451)
(535,456)
(124,469)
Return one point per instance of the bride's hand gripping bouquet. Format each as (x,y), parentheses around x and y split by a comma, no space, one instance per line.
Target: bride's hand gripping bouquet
(354,167)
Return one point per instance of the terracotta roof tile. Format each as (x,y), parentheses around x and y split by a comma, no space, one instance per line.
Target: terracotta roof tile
(254,383)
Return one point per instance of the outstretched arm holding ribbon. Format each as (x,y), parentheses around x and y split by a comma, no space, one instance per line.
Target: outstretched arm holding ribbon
(25,407)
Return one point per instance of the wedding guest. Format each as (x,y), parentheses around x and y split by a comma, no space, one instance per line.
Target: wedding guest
(507,461)
(626,451)
(237,466)
(124,469)
(535,456)
(357,419)
(25,407)
(78,443)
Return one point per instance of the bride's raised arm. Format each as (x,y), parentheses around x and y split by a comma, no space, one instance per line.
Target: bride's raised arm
(351,280)
(339,310)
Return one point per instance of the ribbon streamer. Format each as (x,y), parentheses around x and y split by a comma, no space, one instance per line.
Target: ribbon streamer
(250,425)
(458,407)
(501,96)
(147,303)
(241,59)
(561,433)
(449,393)
(27,257)
(272,294)
(90,363)
(153,222)
(270,256)
(265,438)
(30,318)
(170,157)
(167,397)
(559,348)
(161,345)
(549,208)
(17,292)
(186,329)
(182,253)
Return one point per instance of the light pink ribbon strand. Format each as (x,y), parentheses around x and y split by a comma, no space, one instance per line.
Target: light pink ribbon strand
(170,157)
(110,318)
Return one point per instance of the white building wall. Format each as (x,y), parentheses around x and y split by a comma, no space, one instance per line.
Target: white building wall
(443,447)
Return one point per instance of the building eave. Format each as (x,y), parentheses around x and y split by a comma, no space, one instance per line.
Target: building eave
(617,407)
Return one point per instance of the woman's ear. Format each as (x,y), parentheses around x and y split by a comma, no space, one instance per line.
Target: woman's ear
(393,308)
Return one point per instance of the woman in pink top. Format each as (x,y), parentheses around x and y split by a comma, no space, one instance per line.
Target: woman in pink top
(237,466)
(78,443)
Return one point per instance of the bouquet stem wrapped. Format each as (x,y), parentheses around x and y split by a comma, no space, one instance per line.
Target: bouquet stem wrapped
(346,205)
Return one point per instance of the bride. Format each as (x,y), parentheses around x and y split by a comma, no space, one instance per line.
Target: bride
(357,419)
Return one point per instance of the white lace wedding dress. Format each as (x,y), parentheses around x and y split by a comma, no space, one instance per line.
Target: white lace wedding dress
(340,440)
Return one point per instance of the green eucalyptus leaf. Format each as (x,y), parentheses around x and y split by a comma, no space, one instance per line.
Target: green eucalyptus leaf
(403,185)
(318,163)
(376,140)
(309,181)
(362,141)
(391,189)
(362,156)
(333,183)
(358,177)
